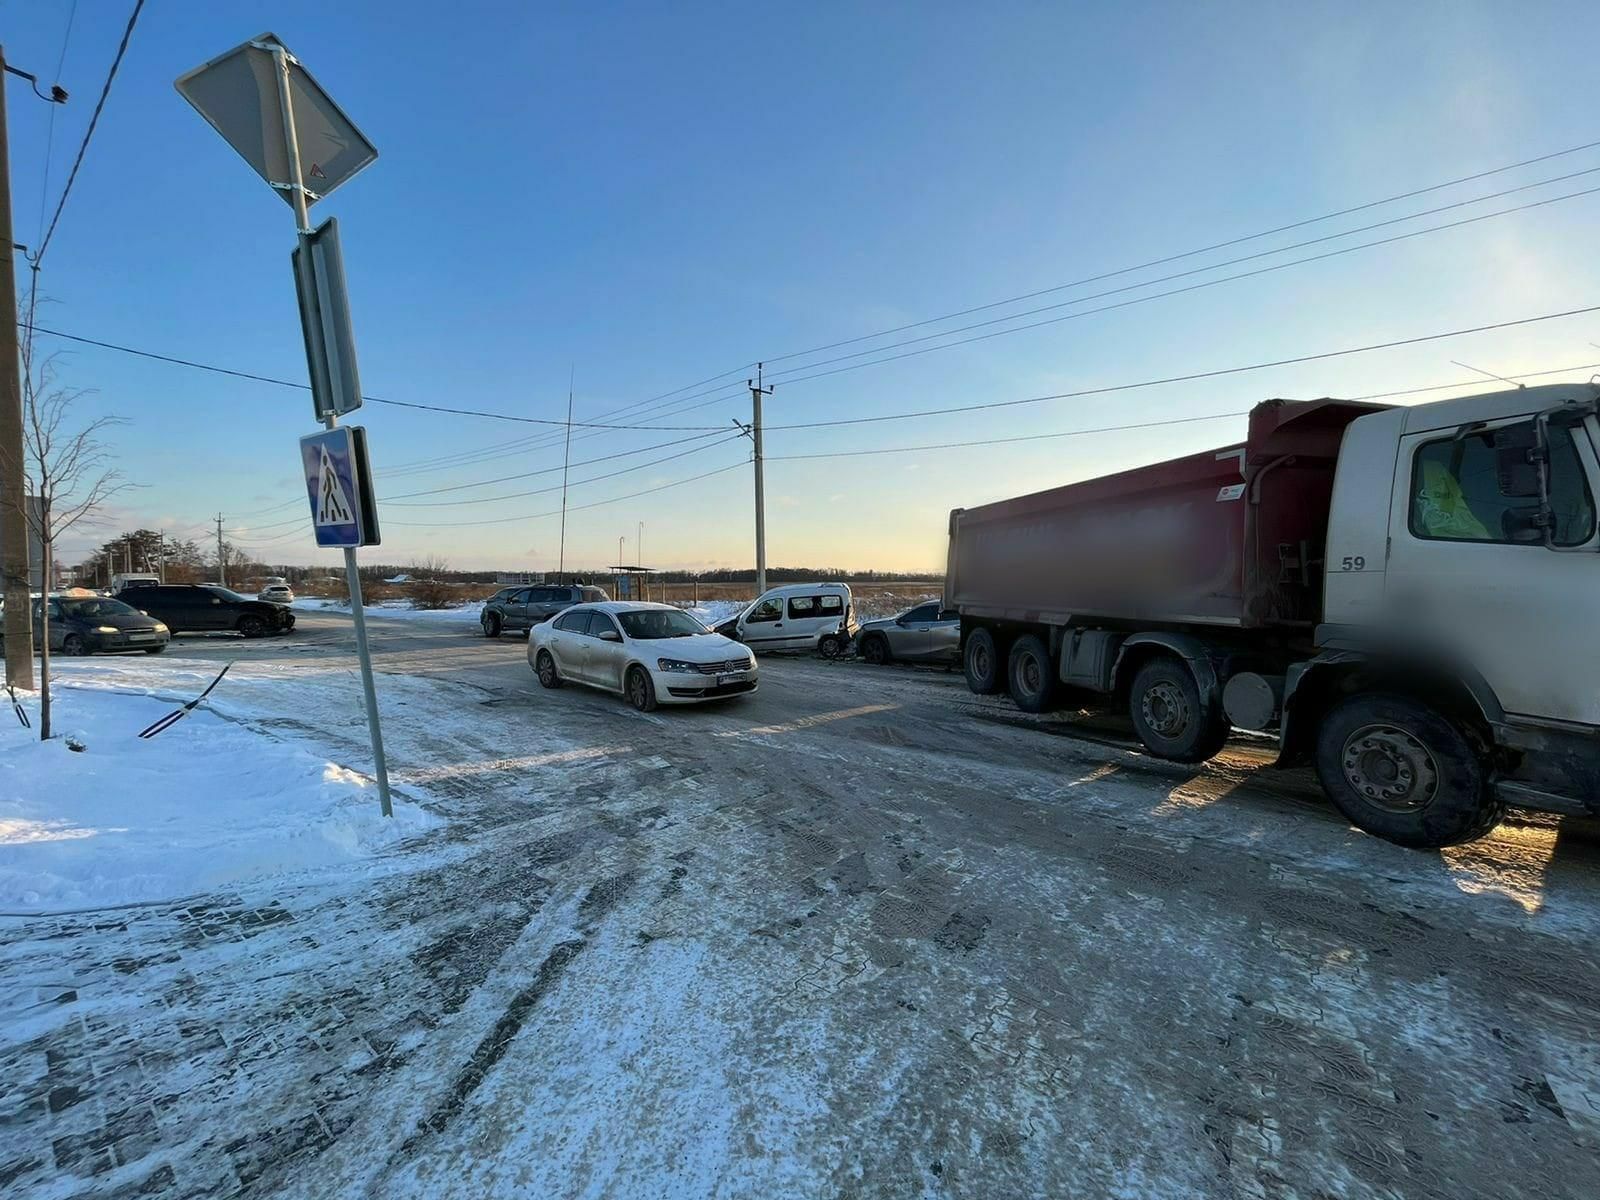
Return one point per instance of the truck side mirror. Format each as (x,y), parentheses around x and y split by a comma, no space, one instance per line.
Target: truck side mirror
(1516,461)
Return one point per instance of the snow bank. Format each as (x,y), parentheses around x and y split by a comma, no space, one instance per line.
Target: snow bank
(397,610)
(205,805)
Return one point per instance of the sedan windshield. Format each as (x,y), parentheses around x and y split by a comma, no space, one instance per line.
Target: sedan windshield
(97,608)
(651,623)
(227,593)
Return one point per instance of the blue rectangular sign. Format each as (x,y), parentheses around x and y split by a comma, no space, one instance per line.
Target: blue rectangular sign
(333,485)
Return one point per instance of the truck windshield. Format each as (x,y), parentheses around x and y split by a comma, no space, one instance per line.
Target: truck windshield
(1456,496)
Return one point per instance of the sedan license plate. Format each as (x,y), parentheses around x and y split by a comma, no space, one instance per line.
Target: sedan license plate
(724,680)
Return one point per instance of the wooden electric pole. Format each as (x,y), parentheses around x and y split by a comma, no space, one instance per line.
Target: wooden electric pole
(14,573)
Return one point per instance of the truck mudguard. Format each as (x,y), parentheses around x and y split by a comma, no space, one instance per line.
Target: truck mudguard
(1191,649)
(1292,731)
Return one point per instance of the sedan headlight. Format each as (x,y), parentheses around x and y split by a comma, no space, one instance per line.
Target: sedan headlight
(160,627)
(677,666)
(106,629)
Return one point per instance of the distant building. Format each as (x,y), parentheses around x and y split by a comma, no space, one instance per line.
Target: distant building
(511,577)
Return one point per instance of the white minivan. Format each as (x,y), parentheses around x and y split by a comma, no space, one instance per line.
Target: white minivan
(797,616)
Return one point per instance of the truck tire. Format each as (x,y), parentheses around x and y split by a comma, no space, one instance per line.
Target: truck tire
(1030,674)
(981,663)
(1404,772)
(1169,716)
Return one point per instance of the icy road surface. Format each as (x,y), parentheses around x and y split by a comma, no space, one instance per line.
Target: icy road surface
(862,935)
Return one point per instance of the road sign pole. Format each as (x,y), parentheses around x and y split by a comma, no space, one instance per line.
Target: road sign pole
(354,578)
(302,220)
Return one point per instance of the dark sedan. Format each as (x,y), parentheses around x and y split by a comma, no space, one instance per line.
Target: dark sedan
(96,625)
(206,607)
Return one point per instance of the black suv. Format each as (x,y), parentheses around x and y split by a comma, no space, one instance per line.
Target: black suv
(521,608)
(205,607)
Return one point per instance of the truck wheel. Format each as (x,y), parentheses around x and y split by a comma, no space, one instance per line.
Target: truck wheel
(1168,714)
(981,662)
(1404,772)
(1032,682)
(252,626)
(491,625)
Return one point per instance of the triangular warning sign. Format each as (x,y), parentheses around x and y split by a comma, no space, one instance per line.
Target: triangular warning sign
(316,172)
(333,504)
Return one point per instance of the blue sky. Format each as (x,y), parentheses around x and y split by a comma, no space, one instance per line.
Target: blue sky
(647,195)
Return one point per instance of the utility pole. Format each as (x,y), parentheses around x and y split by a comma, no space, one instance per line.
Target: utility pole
(161,554)
(222,562)
(566,457)
(756,392)
(14,572)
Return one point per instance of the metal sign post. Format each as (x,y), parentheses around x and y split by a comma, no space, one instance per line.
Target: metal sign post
(261,100)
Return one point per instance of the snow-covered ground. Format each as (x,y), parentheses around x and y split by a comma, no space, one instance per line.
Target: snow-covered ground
(206,804)
(859,934)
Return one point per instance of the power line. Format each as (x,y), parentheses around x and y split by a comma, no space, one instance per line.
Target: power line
(699,437)
(50,129)
(1235,262)
(1027,437)
(1041,437)
(722,393)
(518,495)
(1193,287)
(289,383)
(1194,375)
(1171,421)
(738,394)
(396,503)
(94,120)
(1158,262)
(572,508)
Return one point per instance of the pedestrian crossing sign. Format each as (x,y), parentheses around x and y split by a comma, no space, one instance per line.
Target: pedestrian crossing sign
(338,485)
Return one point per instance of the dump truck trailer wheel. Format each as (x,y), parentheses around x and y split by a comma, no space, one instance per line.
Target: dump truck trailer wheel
(1030,674)
(980,660)
(1169,715)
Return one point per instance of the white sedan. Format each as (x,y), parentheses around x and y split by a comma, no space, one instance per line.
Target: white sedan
(649,653)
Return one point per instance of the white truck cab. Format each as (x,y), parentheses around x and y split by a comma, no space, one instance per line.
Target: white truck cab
(1463,540)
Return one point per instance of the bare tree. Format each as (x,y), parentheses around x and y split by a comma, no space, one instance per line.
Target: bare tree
(67,471)
(428,588)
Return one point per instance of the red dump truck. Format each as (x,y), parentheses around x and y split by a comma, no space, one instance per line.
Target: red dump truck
(1406,595)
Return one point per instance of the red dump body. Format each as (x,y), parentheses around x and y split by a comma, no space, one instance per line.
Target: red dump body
(1227,537)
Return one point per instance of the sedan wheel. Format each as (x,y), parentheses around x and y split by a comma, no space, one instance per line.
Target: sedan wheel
(252,626)
(875,650)
(491,625)
(545,667)
(73,644)
(641,691)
